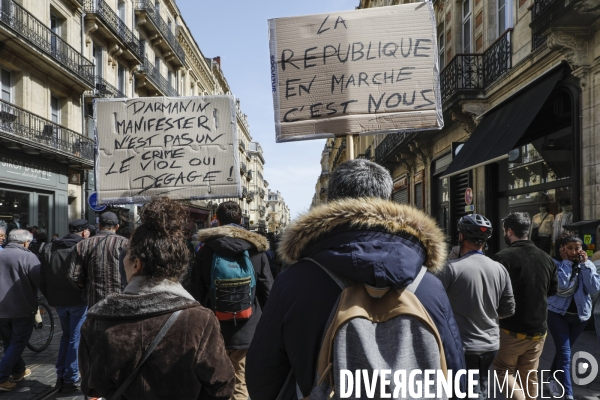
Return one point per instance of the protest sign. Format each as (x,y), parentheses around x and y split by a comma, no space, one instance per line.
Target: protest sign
(183,147)
(355,72)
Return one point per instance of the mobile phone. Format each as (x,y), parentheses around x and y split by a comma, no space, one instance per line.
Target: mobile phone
(581,258)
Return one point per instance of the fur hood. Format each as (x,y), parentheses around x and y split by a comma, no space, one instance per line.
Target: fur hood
(365,213)
(233,232)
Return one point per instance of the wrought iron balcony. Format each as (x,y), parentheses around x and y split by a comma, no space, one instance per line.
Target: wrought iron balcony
(250,197)
(475,72)
(261,192)
(249,175)
(115,24)
(368,154)
(390,145)
(147,7)
(17,19)
(104,89)
(242,145)
(19,125)
(243,167)
(262,210)
(539,6)
(159,81)
(244,191)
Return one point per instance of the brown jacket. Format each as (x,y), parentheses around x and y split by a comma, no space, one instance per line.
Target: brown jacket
(189,363)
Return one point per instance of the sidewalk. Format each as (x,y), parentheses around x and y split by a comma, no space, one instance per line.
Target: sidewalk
(43,376)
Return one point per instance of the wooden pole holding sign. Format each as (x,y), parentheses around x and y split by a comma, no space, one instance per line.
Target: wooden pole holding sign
(349,147)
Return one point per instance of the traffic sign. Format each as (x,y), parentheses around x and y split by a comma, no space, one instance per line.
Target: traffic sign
(93,202)
(469,196)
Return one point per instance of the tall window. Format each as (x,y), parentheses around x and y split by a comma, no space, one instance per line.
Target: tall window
(157,7)
(504,16)
(55,109)
(6,85)
(170,77)
(55,28)
(157,63)
(97,53)
(466,26)
(441,48)
(121,6)
(121,78)
(170,25)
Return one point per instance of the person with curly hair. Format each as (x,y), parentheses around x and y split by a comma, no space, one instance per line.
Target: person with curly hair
(190,361)
(570,309)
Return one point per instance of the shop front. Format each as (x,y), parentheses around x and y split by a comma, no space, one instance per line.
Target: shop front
(528,151)
(33,191)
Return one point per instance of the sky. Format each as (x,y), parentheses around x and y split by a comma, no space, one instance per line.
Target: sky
(237,31)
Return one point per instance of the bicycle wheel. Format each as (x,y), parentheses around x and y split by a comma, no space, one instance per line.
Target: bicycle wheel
(42,330)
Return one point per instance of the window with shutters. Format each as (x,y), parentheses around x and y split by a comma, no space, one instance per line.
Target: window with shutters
(400,194)
(419,195)
(6,85)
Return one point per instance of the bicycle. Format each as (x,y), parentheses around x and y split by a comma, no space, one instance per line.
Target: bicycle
(43,330)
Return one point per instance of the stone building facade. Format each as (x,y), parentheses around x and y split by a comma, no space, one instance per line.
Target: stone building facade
(56,57)
(279,216)
(520,94)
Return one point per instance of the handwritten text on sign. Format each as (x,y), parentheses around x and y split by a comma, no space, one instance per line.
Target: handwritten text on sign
(362,71)
(183,147)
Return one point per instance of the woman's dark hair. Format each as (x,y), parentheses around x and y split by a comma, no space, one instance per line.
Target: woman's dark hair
(159,243)
(569,237)
(41,236)
(229,212)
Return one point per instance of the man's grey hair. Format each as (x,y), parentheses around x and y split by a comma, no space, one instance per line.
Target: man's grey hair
(19,236)
(2,229)
(360,178)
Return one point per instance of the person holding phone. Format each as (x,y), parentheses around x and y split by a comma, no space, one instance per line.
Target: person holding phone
(570,308)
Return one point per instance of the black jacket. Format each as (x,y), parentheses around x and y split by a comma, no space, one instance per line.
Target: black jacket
(231,240)
(533,278)
(55,285)
(19,281)
(373,241)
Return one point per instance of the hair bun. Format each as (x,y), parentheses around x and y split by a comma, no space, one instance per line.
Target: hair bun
(165,216)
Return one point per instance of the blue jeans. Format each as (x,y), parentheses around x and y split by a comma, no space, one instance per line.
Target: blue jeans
(565,329)
(15,333)
(71,319)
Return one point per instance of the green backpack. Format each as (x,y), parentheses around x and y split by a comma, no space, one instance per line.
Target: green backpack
(232,287)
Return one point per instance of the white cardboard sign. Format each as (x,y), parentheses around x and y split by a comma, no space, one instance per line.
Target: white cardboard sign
(183,147)
(355,72)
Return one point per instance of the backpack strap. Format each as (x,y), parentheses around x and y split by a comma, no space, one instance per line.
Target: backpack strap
(163,331)
(415,284)
(341,282)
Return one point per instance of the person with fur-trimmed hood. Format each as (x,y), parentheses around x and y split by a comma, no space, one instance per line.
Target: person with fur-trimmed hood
(358,235)
(230,239)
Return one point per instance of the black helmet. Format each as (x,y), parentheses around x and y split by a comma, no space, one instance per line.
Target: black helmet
(475,227)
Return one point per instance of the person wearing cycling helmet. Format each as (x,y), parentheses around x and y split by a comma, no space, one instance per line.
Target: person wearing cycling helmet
(480,292)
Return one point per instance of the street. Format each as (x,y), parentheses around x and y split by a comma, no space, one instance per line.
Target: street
(39,385)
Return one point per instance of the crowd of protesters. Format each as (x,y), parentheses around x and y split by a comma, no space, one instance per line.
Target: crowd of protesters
(146,314)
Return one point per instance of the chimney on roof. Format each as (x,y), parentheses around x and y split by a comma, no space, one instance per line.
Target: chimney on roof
(218,60)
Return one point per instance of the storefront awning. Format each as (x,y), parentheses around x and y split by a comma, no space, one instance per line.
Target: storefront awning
(500,129)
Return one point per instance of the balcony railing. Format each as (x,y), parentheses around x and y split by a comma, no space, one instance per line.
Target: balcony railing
(243,167)
(249,175)
(161,26)
(244,191)
(475,72)
(261,192)
(17,19)
(43,133)
(250,197)
(540,6)
(389,146)
(242,145)
(115,24)
(104,89)
(157,79)
(368,153)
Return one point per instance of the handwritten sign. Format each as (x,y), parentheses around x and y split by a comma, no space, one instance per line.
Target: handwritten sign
(355,72)
(183,147)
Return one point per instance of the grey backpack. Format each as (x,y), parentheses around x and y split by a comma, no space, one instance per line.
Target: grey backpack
(377,329)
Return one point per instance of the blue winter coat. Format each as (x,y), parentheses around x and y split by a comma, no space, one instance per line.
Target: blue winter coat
(373,241)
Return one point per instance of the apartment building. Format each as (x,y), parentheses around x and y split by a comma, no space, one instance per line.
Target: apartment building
(519,87)
(279,216)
